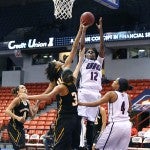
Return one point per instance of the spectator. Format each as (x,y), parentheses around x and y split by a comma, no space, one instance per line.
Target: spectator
(48,139)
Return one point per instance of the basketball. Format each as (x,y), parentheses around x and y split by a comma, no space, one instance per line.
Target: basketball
(87,18)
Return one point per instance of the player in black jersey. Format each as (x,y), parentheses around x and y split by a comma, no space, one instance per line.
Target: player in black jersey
(54,68)
(67,131)
(19,109)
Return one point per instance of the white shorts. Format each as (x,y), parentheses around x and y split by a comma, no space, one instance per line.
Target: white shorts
(88,96)
(116,136)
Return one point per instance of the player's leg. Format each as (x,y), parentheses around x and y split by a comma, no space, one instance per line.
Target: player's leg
(91,113)
(82,112)
(124,139)
(89,134)
(83,132)
(63,134)
(76,134)
(103,141)
(17,135)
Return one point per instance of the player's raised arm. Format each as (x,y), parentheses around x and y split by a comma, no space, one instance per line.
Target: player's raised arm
(102,48)
(105,99)
(74,48)
(81,57)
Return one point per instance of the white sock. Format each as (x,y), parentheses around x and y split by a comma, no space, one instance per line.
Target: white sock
(83,132)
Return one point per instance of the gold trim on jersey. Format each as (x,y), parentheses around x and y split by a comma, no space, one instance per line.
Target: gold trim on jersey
(60,135)
(15,139)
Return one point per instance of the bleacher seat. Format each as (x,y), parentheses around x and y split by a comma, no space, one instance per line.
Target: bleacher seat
(137,141)
(34,138)
(40,131)
(141,133)
(27,137)
(31,131)
(146,142)
(41,138)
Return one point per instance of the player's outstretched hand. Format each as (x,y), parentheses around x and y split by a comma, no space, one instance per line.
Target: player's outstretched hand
(59,81)
(99,25)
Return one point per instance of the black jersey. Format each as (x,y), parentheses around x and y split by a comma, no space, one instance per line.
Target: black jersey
(68,103)
(20,110)
(15,128)
(67,130)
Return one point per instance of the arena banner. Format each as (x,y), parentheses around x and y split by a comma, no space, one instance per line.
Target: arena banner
(142,102)
(66,41)
(113,4)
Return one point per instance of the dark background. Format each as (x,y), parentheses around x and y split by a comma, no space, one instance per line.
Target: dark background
(23,19)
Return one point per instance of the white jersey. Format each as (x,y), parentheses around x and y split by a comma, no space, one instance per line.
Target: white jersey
(117,134)
(118,111)
(91,74)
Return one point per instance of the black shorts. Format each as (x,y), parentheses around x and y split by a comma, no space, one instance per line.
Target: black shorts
(67,132)
(17,135)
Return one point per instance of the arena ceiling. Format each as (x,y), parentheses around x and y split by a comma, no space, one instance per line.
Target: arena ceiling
(6,3)
(135,9)
(130,12)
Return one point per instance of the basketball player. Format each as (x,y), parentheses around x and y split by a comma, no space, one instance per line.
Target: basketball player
(19,109)
(116,135)
(54,69)
(68,123)
(90,86)
(99,124)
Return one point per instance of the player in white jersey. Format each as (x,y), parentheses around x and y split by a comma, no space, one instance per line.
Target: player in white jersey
(90,85)
(116,135)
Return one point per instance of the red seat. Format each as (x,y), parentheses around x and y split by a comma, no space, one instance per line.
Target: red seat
(41,122)
(41,118)
(32,127)
(39,132)
(40,127)
(33,122)
(1,124)
(42,105)
(2,114)
(51,119)
(30,132)
(34,138)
